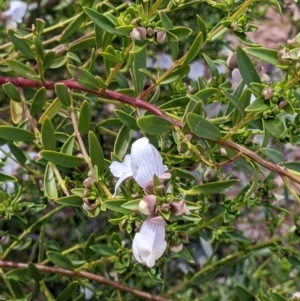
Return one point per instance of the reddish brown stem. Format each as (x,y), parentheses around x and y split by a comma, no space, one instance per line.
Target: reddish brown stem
(86,275)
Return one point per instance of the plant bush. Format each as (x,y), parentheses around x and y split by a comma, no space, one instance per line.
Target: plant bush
(146,156)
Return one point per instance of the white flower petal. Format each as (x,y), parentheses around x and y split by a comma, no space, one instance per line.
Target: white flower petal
(16,11)
(145,162)
(121,171)
(149,244)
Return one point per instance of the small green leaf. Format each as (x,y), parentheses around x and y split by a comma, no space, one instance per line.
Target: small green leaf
(116,206)
(39,49)
(16,111)
(4,178)
(38,101)
(264,54)
(71,200)
(122,142)
(131,205)
(127,119)
(52,110)
(102,21)
(63,94)
(176,75)
(96,153)
(20,44)
(202,128)
(181,33)
(211,65)
(205,277)
(244,294)
(274,155)
(214,187)
(34,272)
(104,250)
(246,67)
(61,159)
(48,136)
(194,49)
(68,146)
(15,134)
(49,183)
(73,26)
(235,101)
(275,127)
(12,92)
(258,105)
(185,254)
(60,260)
(68,291)
(85,118)
(202,27)
(154,125)
(22,70)
(277,297)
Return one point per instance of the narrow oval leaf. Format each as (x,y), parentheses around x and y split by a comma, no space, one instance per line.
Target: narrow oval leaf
(48,136)
(63,94)
(275,127)
(12,92)
(61,159)
(274,155)
(73,26)
(244,294)
(176,75)
(127,119)
(22,70)
(85,118)
(20,44)
(246,67)
(68,291)
(71,200)
(264,54)
(60,260)
(214,187)
(49,183)
(38,101)
(122,142)
(194,49)
(16,111)
(202,128)
(15,134)
(96,153)
(154,125)
(52,110)
(4,178)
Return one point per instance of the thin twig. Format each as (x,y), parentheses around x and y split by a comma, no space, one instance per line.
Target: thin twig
(86,275)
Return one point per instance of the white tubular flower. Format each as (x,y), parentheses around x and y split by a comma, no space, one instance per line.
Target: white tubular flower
(150,244)
(143,163)
(15,13)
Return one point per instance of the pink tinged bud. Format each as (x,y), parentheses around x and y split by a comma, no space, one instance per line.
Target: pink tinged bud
(176,248)
(161,36)
(179,208)
(150,244)
(165,176)
(147,205)
(138,33)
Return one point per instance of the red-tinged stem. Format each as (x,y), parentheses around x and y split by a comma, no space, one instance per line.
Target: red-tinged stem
(71,84)
(86,275)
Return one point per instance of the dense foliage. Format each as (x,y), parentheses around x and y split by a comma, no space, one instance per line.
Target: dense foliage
(205,207)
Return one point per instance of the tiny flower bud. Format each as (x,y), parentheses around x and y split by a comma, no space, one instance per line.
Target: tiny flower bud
(161,36)
(282,104)
(150,32)
(165,208)
(179,208)
(147,205)
(267,93)
(144,208)
(138,33)
(88,182)
(296,296)
(176,248)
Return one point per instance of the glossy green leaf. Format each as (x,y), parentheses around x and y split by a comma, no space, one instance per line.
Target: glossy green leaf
(194,49)
(16,111)
(238,237)
(104,250)
(20,44)
(111,57)
(73,26)
(39,26)
(274,155)
(131,205)
(212,66)
(4,178)
(23,244)
(202,27)
(102,21)
(235,101)
(85,78)
(34,272)
(60,260)
(15,134)
(50,183)
(246,67)
(264,54)
(48,136)
(258,105)
(38,101)
(12,92)
(154,125)
(68,146)
(96,153)
(17,153)
(205,277)
(116,206)
(181,33)
(202,128)
(52,110)
(122,142)
(49,59)
(275,127)
(139,62)
(85,118)
(22,70)
(127,119)
(71,201)
(16,287)
(39,49)
(277,297)
(62,159)
(243,293)
(214,187)
(63,94)
(176,75)
(68,291)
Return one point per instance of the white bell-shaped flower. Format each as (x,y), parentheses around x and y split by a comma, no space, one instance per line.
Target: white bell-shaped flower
(143,163)
(15,13)
(150,244)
